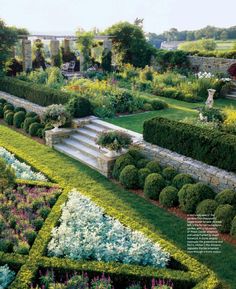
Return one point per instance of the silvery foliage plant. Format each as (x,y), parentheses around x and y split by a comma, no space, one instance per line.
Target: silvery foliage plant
(22,170)
(86,232)
(6,276)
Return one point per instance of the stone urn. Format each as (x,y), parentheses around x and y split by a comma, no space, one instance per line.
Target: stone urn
(210,100)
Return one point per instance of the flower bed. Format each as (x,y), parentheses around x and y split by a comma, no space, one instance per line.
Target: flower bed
(22,214)
(22,170)
(53,279)
(87,233)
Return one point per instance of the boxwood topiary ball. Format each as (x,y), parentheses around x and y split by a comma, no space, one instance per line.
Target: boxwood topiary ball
(169,197)
(121,163)
(225,214)
(142,174)
(153,185)
(9,118)
(206,207)
(1,112)
(154,166)
(169,173)
(17,109)
(129,177)
(226,197)
(18,118)
(205,191)
(140,164)
(182,179)
(34,127)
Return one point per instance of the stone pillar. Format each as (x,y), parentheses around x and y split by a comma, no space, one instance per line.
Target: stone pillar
(27,54)
(54,48)
(66,46)
(107,44)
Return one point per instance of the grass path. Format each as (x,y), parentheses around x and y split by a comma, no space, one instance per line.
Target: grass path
(120,203)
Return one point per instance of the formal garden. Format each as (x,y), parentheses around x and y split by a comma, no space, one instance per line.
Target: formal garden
(167,135)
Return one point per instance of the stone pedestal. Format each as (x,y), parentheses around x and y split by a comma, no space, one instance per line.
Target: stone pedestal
(27,54)
(53,137)
(55,50)
(107,45)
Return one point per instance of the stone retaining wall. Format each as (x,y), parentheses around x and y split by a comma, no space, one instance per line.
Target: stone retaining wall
(210,64)
(217,178)
(20,102)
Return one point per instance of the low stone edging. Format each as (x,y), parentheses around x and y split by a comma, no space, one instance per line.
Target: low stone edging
(20,102)
(219,179)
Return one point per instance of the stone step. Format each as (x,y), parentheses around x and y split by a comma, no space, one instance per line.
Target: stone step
(231,96)
(88,133)
(96,128)
(83,148)
(77,155)
(88,141)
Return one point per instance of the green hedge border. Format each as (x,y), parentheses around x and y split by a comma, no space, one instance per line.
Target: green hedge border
(45,159)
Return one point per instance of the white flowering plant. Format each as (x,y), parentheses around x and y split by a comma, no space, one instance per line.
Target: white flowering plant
(22,170)
(6,276)
(87,233)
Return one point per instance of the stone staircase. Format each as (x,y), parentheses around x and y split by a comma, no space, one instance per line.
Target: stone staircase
(81,145)
(232,94)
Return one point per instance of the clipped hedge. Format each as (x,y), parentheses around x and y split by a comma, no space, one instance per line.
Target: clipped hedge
(209,146)
(35,93)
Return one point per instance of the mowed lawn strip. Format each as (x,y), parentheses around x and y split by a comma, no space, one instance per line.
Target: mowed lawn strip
(120,203)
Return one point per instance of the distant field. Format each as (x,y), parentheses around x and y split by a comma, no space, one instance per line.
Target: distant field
(225,45)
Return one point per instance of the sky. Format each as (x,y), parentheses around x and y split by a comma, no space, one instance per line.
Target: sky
(65,16)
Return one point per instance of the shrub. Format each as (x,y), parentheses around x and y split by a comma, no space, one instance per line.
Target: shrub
(18,118)
(114,140)
(169,173)
(225,214)
(31,114)
(44,211)
(34,127)
(30,236)
(38,223)
(158,104)
(203,144)
(8,106)
(35,93)
(233,227)
(1,112)
(142,163)
(213,114)
(136,154)
(169,197)
(27,122)
(9,118)
(17,109)
(121,162)
(154,167)
(142,174)
(6,246)
(226,197)
(22,248)
(206,207)
(153,185)
(182,179)
(129,177)
(79,106)
(191,195)
(2,101)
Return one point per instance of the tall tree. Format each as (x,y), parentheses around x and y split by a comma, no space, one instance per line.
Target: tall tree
(130,44)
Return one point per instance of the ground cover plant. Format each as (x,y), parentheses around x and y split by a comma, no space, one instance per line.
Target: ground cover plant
(131,210)
(6,276)
(87,233)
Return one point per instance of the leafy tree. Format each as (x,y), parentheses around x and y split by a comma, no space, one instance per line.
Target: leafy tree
(130,44)
(154,39)
(203,44)
(224,35)
(84,44)
(38,54)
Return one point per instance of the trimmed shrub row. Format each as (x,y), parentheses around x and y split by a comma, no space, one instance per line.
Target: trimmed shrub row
(35,93)
(211,147)
(173,189)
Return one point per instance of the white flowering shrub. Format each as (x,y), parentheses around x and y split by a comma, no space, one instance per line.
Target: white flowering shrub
(86,232)
(6,276)
(201,75)
(22,170)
